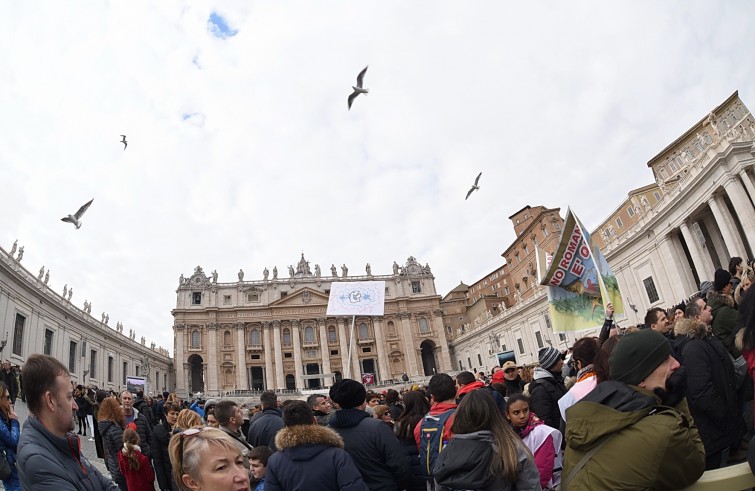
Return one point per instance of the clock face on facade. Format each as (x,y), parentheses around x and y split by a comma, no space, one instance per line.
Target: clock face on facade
(413,269)
(197,280)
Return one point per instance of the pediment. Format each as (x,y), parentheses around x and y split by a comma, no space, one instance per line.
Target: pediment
(303,297)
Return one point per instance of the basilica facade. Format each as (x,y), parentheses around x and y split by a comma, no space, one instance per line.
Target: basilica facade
(273,332)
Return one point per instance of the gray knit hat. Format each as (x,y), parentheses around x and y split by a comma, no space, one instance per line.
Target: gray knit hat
(548,357)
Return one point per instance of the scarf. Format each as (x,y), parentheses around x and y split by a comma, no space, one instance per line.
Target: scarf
(585,372)
(529,426)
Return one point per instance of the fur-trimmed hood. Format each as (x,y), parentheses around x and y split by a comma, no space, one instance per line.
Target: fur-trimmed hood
(691,328)
(716,299)
(302,442)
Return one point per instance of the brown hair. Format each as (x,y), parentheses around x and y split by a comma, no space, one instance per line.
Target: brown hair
(187,418)
(380,410)
(130,440)
(40,373)
(110,410)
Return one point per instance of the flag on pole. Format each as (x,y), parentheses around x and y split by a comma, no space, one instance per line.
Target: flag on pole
(356,298)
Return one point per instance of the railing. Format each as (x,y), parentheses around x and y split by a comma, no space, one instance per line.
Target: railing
(733,478)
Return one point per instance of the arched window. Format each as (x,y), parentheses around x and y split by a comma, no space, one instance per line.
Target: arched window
(228,377)
(290,382)
(287,337)
(255,337)
(338,376)
(227,338)
(309,335)
(195,339)
(391,329)
(364,332)
(332,338)
(423,325)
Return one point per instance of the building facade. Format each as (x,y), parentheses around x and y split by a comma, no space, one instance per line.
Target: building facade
(36,319)
(273,332)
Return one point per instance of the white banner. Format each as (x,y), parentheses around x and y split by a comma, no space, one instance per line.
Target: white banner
(356,298)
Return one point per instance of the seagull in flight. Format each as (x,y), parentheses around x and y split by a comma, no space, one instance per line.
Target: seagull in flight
(125,143)
(475,187)
(76,218)
(358,89)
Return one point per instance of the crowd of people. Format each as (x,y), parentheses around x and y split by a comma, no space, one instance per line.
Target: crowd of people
(643,407)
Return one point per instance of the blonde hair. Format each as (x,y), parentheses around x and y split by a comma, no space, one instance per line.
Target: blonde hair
(195,447)
(187,418)
(380,410)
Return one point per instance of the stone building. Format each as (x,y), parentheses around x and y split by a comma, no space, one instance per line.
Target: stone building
(273,332)
(36,319)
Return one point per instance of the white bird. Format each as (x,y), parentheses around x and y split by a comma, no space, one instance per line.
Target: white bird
(76,218)
(475,187)
(358,89)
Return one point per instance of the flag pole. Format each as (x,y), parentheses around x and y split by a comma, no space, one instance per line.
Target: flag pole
(351,343)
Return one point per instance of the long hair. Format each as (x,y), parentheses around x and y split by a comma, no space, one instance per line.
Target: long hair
(477,412)
(4,393)
(110,410)
(415,408)
(130,440)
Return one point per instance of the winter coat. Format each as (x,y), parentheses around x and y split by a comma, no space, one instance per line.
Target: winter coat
(10,433)
(47,462)
(377,453)
(395,408)
(465,464)
(321,417)
(141,479)
(545,391)
(418,480)
(711,389)
(437,409)
(663,442)
(141,405)
(477,385)
(112,439)
(241,443)
(83,404)
(725,319)
(264,427)
(311,458)
(163,469)
(545,444)
(585,384)
(515,386)
(144,430)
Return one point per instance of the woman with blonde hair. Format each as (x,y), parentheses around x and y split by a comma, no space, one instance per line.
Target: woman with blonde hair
(187,418)
(111,425)
(207,459)
(10,432)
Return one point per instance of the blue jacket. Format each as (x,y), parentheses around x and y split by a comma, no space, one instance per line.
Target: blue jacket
(9,436)
(264,427)
(311,458)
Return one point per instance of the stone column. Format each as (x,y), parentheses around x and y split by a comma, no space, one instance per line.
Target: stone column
(383,372)
(179,357)
(704,268)
(343,339)
(672,263)
(410,352)
(749,185)
(298,367)
(280,382)
(726,224)
(324,351)
(268,347)
(717,247)
(212,358)
(744,208)
(444,356)
(241,381)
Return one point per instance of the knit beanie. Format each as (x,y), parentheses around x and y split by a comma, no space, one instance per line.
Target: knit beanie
(548,357)
(721,279)
(705,287)
(637,355)
(348,393)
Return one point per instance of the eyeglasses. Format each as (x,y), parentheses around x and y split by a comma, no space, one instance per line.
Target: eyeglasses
(184,435)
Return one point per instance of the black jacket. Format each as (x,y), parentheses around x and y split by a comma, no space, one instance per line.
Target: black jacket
(141,405)
(545,391)
(163,470)
(10,381)
(321,417)
(145,433)
(711,390)
(376,451)
(264,427)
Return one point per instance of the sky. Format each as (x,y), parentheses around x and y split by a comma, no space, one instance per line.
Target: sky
(242,153)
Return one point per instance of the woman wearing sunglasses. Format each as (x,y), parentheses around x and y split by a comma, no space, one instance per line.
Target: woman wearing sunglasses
(207,459)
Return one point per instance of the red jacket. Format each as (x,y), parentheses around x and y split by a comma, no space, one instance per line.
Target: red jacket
(142,479)
(436,410)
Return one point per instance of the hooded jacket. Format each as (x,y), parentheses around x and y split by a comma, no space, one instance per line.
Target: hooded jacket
(665,448)
(545,391)
(711,390)
(47,462)
(112,439)
(311,458)
(163,469)
(725,318)
(263,428)
(377,453)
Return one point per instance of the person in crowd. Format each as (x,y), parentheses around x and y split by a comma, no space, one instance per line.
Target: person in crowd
(711,391)
(247,414)
(265,425)
(641,412)
(510,378)
(548,387)
(160,441)
(198,407)
(609,328)
(656,320)
(543,441)
(310,456)
(111,424)
(748,275)
(725,316)
(415,408)
(49,453)
(230,418)
(433,431)
(735,270)
(140,421)
(376,451)
(467,382)
(207,459)
(484,452)
(142,406)
(9,437)
(393,400)
(81,412)
(383,414)
(592,368)
(8,377)
(675,314)
(210,419)
(159,407)
(745,338)
(320,408)
(96,397)
(187,418)
(134,465)
(258,459)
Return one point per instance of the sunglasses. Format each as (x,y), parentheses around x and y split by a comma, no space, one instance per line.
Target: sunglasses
(510,370)
(184,435)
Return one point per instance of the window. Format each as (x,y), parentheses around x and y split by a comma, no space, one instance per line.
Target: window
(196,298)
(125,372)
(252,297)
(72,356)
(137,370)
(479,359)
(526,249)
(254,337)
(195,339)
(469,360)
(93,364)
(48,342)
(256,357)
(416,287)
(630,212)
(657,195)
(332,337)
(287,337)
(288,355)
(283,294)
(561,336)
(334,352)
(227,339)
(619,223)
(521,346)
(548,321)
(18,335)
(650,289)
(364,332)
(503,347)
(424,327)
(387,291)
(461,366)
(539,338)
(556,225)
(506,290)
(545,231)
(309,335)
(367,349)
(226,300)
(290,382)
(516,255)
(110,369)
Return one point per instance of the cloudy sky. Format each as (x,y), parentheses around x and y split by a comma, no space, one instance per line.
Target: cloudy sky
(242,153)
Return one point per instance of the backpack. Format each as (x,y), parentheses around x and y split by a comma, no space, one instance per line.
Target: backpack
(431,441)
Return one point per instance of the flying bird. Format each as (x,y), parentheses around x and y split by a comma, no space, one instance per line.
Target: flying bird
(358,89)
(125,143)
(76,218)
(475,187)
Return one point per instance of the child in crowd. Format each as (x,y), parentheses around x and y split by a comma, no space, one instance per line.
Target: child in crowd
(134,465)
(258,465)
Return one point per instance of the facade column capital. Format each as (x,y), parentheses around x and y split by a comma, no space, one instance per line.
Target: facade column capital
(179,327)
(320,322)
(240,326)
(266,324)
(295,323)
(276,324)
(212,326)
(438,313)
